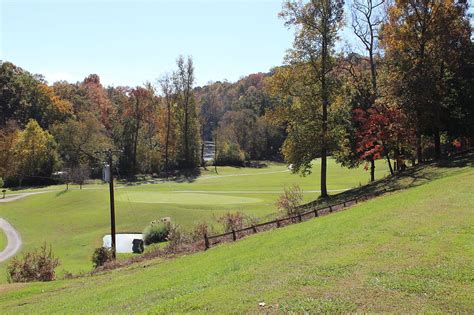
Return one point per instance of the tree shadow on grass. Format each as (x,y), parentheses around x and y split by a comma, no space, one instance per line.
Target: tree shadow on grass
(412,177)
(460,161)
(178,176)
(28,187)
(62,192)
(256,164)
(186,176)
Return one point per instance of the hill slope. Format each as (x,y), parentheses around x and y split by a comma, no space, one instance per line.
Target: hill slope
(407,251)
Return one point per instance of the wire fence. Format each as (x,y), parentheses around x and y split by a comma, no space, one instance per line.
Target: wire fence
(308,212)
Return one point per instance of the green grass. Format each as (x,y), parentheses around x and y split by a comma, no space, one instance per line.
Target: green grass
(186,198)
(74,221)
(408,251)
(3,240)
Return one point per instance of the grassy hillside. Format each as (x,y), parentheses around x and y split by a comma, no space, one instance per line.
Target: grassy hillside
(75,221)
(408,251)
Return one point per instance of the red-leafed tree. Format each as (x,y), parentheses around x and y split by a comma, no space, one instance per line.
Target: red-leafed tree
(100,100)
(382,130)
(371,133)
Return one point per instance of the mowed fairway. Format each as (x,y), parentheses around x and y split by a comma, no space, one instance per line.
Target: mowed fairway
(408,251)
(74,221)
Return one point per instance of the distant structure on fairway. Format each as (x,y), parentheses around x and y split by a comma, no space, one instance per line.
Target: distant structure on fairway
(209,151)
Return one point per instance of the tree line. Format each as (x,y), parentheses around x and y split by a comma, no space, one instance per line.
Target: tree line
(402,93)
(60,129)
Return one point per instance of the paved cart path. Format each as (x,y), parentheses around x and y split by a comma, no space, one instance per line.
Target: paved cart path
(13,197)
(13,239)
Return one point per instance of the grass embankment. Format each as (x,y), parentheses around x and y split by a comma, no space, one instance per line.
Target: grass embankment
(74,221)
(408,251)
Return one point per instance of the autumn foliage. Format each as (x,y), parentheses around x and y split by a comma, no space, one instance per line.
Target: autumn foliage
(380,131)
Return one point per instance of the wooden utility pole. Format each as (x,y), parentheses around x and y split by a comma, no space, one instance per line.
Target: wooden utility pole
(112,204)
(109,153)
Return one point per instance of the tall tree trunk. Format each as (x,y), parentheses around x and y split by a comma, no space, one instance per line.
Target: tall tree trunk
(373,72)
(186,137)
(135,143)
(324,190)
(215,152)
(389,164)
(167,141)
(374,88)
(325,103)
(436,129)
(437,113)
(419,151)
(372,170)
(187,161)
(437,143)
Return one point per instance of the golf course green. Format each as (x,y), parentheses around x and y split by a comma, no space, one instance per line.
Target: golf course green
(75,221)
(184,198)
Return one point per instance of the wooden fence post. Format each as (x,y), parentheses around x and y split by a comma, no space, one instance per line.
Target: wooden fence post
(355,200)
(234,237)
(206,242)
(299,217)
(254,228)
(278,223)
(316,214)
(330,208)
(344,204)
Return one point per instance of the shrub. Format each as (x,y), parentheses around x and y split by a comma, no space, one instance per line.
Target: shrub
(178,240)
(175,236)
(37,265)
(102,255)
(290,200)
(156,232)
(251,220)
(230,154)
(232,221)
(199,230)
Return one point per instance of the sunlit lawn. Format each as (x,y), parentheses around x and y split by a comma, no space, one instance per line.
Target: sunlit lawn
(408,251)
(74,221)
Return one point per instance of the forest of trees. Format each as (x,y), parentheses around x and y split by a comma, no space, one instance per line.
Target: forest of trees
(157,127)
(406,95)
(409,90)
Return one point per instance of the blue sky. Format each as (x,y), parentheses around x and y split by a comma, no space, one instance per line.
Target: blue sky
(130,42)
